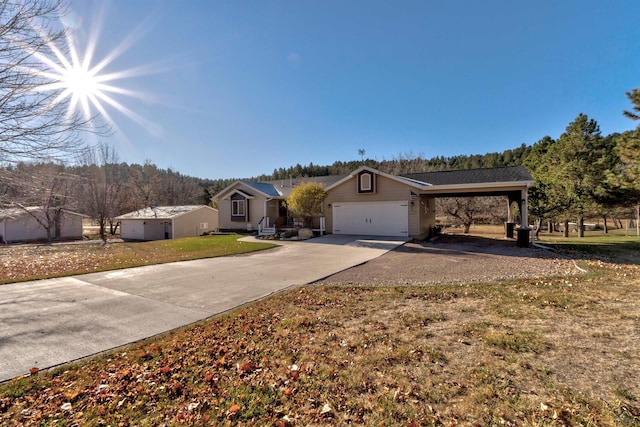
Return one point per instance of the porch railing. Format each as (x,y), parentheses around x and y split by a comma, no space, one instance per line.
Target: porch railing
(264,229)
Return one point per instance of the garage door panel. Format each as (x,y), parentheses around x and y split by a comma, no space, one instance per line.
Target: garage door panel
(379,218)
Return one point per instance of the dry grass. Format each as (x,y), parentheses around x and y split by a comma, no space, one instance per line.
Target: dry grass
(533,352)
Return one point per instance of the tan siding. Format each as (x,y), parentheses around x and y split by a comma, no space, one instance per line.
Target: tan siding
(188,225)
(256,210)
(427,216)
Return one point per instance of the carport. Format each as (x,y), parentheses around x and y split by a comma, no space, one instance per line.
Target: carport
(512,182)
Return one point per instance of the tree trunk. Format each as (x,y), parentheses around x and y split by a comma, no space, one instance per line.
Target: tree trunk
(565,229)
(581,227)
(606,228)
(467,226)
(550,226)
(537,225)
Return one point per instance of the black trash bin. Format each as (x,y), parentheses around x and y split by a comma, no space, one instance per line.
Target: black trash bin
(508,229)
(524,238)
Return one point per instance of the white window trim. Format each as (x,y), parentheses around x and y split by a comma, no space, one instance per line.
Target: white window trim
(237,208)
(368,181)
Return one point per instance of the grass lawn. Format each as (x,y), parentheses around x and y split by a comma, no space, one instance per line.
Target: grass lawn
(30,262)
(535,352)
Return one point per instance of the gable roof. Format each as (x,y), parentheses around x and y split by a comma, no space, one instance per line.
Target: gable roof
(268,190)
(162,212)
(402,179)
(277,189)
(286,186)
(475,176)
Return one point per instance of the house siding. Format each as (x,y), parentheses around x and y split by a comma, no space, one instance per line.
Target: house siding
(427,208)
(386,190)
(255,211)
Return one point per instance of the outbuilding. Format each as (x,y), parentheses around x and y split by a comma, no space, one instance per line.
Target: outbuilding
(34,223)
(168,222)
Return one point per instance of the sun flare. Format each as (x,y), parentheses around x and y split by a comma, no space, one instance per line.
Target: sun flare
(86,84)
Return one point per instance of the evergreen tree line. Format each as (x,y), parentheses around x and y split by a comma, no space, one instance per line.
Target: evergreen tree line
(405,163)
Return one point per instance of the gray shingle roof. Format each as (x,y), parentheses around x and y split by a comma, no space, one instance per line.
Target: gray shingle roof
(473,176)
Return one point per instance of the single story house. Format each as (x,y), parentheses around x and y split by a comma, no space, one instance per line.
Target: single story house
(370,202)
(24,224)
(168,222)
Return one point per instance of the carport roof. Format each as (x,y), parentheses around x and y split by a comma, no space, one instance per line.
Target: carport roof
(474,176)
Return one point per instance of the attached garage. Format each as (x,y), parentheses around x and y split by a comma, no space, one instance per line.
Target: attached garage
(371,218)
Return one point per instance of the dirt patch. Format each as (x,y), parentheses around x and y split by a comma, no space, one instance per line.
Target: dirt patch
(456,259)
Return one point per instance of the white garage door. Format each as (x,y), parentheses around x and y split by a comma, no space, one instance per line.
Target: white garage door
(132,229)
(372,219)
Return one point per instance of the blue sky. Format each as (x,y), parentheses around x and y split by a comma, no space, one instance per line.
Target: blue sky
(238,88)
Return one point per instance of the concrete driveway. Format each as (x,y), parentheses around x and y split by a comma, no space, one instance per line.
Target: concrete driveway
(51,322)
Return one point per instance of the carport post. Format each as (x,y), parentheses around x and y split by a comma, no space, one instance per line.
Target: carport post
(524,208)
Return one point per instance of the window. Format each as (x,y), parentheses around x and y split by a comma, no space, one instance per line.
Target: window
(237,208)
(204,225)
(366,183)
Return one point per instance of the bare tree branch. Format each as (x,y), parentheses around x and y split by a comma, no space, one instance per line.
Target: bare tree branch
(35,124)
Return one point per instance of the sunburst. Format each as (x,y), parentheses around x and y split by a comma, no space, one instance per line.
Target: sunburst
(86,83)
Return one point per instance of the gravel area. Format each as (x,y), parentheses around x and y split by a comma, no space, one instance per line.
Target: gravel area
(455,259)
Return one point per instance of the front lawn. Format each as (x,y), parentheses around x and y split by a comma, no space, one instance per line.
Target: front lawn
(30,262)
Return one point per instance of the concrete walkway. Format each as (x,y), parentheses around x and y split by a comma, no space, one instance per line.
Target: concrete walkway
(51,322)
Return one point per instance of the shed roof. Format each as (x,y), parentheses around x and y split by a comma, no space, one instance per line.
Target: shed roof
(161,212)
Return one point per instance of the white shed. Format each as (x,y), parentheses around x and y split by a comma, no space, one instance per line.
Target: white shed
(20,224)
(168,222)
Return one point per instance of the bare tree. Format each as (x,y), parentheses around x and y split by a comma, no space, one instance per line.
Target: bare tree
(145,180)
(35,124)
(461,208)
(43,191)
(101,186)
